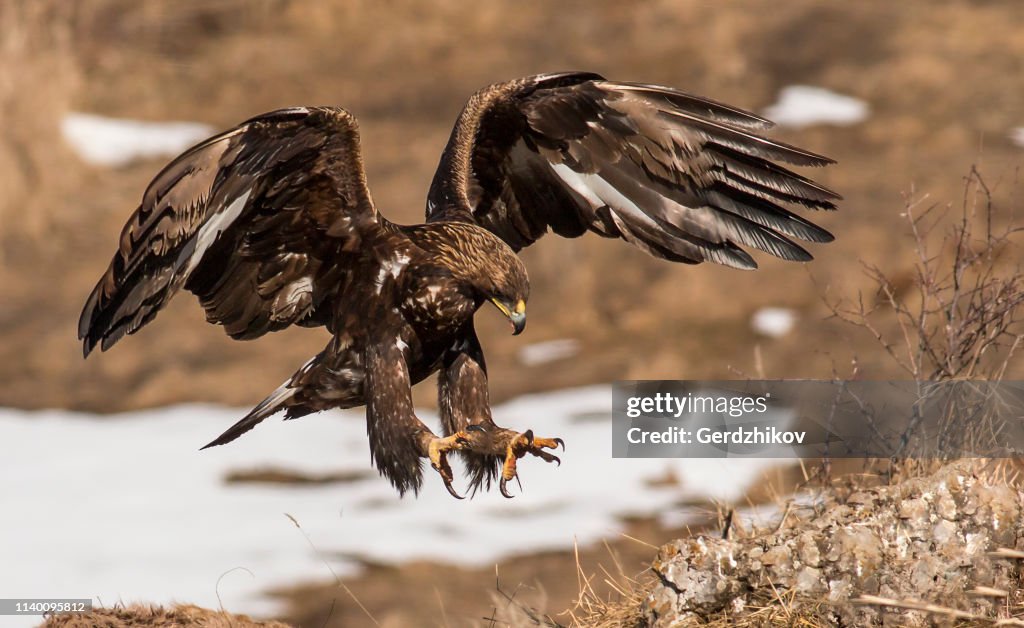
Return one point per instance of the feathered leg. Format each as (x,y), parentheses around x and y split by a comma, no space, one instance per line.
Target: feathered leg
(398,439)
(466,416)
(463,402)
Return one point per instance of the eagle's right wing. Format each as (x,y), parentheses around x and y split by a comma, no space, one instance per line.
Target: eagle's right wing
(256,221)
(679,176)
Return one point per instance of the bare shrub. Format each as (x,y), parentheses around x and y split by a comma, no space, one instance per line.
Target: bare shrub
(959,315)
(954,323)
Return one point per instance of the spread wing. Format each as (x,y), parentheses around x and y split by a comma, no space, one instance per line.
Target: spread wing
(682,177)
(256,221)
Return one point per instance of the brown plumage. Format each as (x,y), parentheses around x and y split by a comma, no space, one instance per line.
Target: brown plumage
(271,224)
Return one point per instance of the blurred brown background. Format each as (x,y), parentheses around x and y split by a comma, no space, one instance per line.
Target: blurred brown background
(944,80)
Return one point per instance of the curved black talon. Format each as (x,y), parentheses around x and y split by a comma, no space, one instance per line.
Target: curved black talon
(561,443)
(451,489)
(452,492)
(504,491)
(546,457)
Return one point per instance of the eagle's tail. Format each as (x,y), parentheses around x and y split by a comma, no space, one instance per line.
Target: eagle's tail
(274,403)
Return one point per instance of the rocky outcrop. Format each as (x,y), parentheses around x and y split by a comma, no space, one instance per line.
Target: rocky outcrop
(877,557)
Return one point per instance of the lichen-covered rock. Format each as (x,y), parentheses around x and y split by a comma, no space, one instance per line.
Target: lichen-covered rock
(927,538)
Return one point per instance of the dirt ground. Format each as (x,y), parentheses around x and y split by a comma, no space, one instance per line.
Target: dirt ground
(944,80)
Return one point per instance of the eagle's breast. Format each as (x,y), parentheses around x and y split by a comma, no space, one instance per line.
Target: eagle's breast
(435,306)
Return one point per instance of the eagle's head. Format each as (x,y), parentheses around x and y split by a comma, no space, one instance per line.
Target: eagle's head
(507,287)
(491,270)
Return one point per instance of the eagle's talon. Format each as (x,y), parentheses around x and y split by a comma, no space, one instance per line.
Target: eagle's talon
(437,452)
(445,471)
(518,446)
(545,456)
(504,491)
(451,489)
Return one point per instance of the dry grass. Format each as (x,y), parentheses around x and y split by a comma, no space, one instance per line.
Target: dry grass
(608,598)
(147,616)
(620,606)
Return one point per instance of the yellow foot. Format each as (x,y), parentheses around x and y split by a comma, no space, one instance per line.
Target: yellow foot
(437,451)
(523,444)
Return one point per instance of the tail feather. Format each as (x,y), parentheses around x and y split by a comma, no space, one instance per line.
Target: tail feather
(270,406)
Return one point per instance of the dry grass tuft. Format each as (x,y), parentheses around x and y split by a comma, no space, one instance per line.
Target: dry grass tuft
(621,607)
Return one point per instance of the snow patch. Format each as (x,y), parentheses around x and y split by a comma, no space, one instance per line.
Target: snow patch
(802,105)
(126,508)
(548,351)
(104,141)
(773,322)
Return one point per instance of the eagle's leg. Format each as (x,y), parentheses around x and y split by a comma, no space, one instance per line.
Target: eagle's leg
(463,402)
(398,439)
(490,451)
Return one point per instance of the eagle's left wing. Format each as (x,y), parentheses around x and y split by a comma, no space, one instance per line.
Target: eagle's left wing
(259,222)
(682,177)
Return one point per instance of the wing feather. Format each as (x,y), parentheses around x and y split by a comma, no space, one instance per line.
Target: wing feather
(680,176)
(249,220)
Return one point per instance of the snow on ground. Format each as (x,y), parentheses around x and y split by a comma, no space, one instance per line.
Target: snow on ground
(803,105)
(126,508)
(773,322)
(115,142)
(548,351)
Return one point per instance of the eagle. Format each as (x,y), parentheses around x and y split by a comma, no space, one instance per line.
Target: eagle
(271,224)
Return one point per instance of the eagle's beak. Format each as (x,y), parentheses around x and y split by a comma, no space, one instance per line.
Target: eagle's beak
(516,314)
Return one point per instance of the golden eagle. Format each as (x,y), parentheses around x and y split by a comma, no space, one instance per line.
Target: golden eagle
(271,224)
